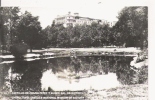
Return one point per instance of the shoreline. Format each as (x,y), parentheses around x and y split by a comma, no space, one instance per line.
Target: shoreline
(126,92)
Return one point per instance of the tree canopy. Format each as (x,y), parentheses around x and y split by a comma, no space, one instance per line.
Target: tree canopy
(29,30)
(132,27)
(131,30)
(8,22)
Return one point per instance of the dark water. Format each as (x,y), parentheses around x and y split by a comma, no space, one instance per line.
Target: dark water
(27,75)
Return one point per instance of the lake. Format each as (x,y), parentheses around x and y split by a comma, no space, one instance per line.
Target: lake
(66,73)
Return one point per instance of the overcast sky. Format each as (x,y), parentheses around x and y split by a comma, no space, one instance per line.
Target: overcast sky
(47,10)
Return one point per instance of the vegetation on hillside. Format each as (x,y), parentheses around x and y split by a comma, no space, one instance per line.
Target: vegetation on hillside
(131,30)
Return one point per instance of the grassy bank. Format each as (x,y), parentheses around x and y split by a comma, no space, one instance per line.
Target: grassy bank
(126,92)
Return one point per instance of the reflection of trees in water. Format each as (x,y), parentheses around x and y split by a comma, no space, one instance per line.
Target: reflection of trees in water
(4,80)
(58,64)
(76,62)
(118,65)
(93,64)
(123,70)
(63,63)
(32,73)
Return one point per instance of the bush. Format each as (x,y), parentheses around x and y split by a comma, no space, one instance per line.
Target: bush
(143,74)
(19,49)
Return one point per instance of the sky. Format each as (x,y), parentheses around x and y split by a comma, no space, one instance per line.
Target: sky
(47,10)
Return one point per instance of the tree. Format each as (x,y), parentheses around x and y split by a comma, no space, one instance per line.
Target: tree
(75,36)
(63,38)
(94,35)
(84,36)
(132,26)
(105,35)
(29,30)
(52,33)
(8,22)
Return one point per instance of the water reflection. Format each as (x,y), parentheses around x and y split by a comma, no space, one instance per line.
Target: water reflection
(71,83)
(4,81)
(67,73)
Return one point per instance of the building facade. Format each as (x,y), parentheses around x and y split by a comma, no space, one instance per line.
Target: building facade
(74,19)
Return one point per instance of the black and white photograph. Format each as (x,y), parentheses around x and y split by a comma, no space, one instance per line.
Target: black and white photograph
(74,50)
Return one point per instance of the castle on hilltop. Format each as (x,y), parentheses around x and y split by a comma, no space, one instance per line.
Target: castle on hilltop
(74,19)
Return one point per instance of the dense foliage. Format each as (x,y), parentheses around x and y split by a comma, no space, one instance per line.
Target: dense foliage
(95,35)
(29,30)
(8,25)
(131,30)
(132,27)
